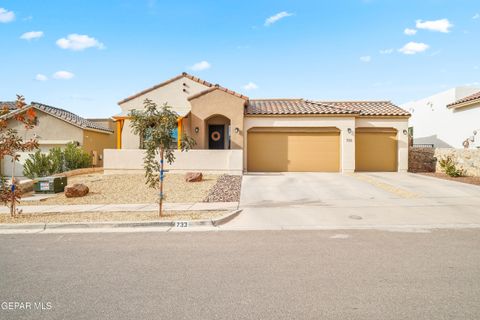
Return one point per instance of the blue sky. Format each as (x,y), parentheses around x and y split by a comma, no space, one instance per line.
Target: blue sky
(85,55)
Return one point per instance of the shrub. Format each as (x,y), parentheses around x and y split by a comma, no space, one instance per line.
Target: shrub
(56,161)
(38,165)
(449,166)
(76,158)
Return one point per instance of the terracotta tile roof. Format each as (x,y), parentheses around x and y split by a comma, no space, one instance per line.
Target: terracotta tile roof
(11,105)
(217,87)
(370,108)
(64,115)
(292,107)
(470,98)
(184,74)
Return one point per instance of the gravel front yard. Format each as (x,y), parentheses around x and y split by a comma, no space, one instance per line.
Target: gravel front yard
(109,216)
(470,180)
(131,188)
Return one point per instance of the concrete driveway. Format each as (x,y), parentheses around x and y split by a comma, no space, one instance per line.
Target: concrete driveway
(359,200)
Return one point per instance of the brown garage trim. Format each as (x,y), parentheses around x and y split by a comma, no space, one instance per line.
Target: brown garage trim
(293,129)
(375,130)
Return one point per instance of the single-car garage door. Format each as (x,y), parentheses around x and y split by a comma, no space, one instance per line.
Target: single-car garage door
(375,149)
(293,149)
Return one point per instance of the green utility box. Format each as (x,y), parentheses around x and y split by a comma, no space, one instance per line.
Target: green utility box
(50,184)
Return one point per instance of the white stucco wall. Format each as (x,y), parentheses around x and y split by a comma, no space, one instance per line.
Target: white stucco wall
(213,161)
(347,147)
(434,123)
(400,125)
(171,93)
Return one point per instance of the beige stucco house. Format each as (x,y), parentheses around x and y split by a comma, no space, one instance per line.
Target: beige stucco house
(279,135)
(57,127)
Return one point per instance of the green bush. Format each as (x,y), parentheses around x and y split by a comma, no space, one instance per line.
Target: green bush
(450,168)
(56,161)
(38,165)
(76,158)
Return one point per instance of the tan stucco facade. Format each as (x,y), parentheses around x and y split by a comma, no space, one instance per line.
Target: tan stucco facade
(205,105)
(175,94)
(217,107)
(53,132)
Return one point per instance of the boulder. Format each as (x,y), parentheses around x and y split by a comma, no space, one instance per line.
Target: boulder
(193,176)
(76,190)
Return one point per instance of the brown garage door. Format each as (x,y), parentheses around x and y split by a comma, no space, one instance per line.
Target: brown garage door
(293,149)
(375,149)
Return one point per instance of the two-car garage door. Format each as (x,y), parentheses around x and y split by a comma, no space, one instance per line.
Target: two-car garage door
(318,149)
(293,149)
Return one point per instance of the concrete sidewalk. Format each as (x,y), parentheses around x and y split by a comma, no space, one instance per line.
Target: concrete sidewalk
(190,206)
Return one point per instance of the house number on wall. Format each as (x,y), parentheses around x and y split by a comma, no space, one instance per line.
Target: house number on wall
(349,140)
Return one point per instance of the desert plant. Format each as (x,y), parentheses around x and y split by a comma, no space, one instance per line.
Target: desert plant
(75,157)
(56,161)
(157,125)
(449,166)
(38,165)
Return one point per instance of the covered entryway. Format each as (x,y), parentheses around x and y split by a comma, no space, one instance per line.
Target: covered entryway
(306,149)
(376,149)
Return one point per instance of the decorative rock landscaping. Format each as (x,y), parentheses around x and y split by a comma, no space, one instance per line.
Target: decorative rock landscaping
(76,190)
(227,189)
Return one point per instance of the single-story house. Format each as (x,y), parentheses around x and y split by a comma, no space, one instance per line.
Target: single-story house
(279,135)
(449,119)
(57,127)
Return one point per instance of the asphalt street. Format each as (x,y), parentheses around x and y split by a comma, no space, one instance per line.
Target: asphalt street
(338,274)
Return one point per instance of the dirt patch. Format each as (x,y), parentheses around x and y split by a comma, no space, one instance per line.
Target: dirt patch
(109,216)
(131,188)
(469,180)
(227,189)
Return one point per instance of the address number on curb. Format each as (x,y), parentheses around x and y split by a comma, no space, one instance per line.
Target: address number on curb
(181,224)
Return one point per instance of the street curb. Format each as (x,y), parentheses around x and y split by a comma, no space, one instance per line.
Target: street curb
(113,224)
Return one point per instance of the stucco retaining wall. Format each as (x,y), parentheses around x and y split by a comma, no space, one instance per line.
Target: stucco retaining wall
(425,159)
(212,161)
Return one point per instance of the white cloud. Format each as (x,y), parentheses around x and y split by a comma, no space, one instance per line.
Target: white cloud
(250,86)
(32,35)
(271,20)
(410,32)
(386,51)
(442,25)
(476,16)
(413,48)
(41,77)
(6,16)
(202,65)
(63,75)
(366,59)
(78,42)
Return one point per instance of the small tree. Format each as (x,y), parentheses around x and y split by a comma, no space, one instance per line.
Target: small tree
(11,144)
(156,126)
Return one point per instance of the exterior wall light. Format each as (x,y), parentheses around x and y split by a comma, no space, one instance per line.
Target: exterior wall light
(405,131)
(349,130)
(197,129)
(237,130)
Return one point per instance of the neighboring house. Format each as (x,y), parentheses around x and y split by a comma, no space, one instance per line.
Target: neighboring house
(446,119)
(56,128)
(279,135)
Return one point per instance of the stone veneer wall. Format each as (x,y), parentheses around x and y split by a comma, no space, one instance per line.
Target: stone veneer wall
(467,159)
(421,160)
(425,159)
